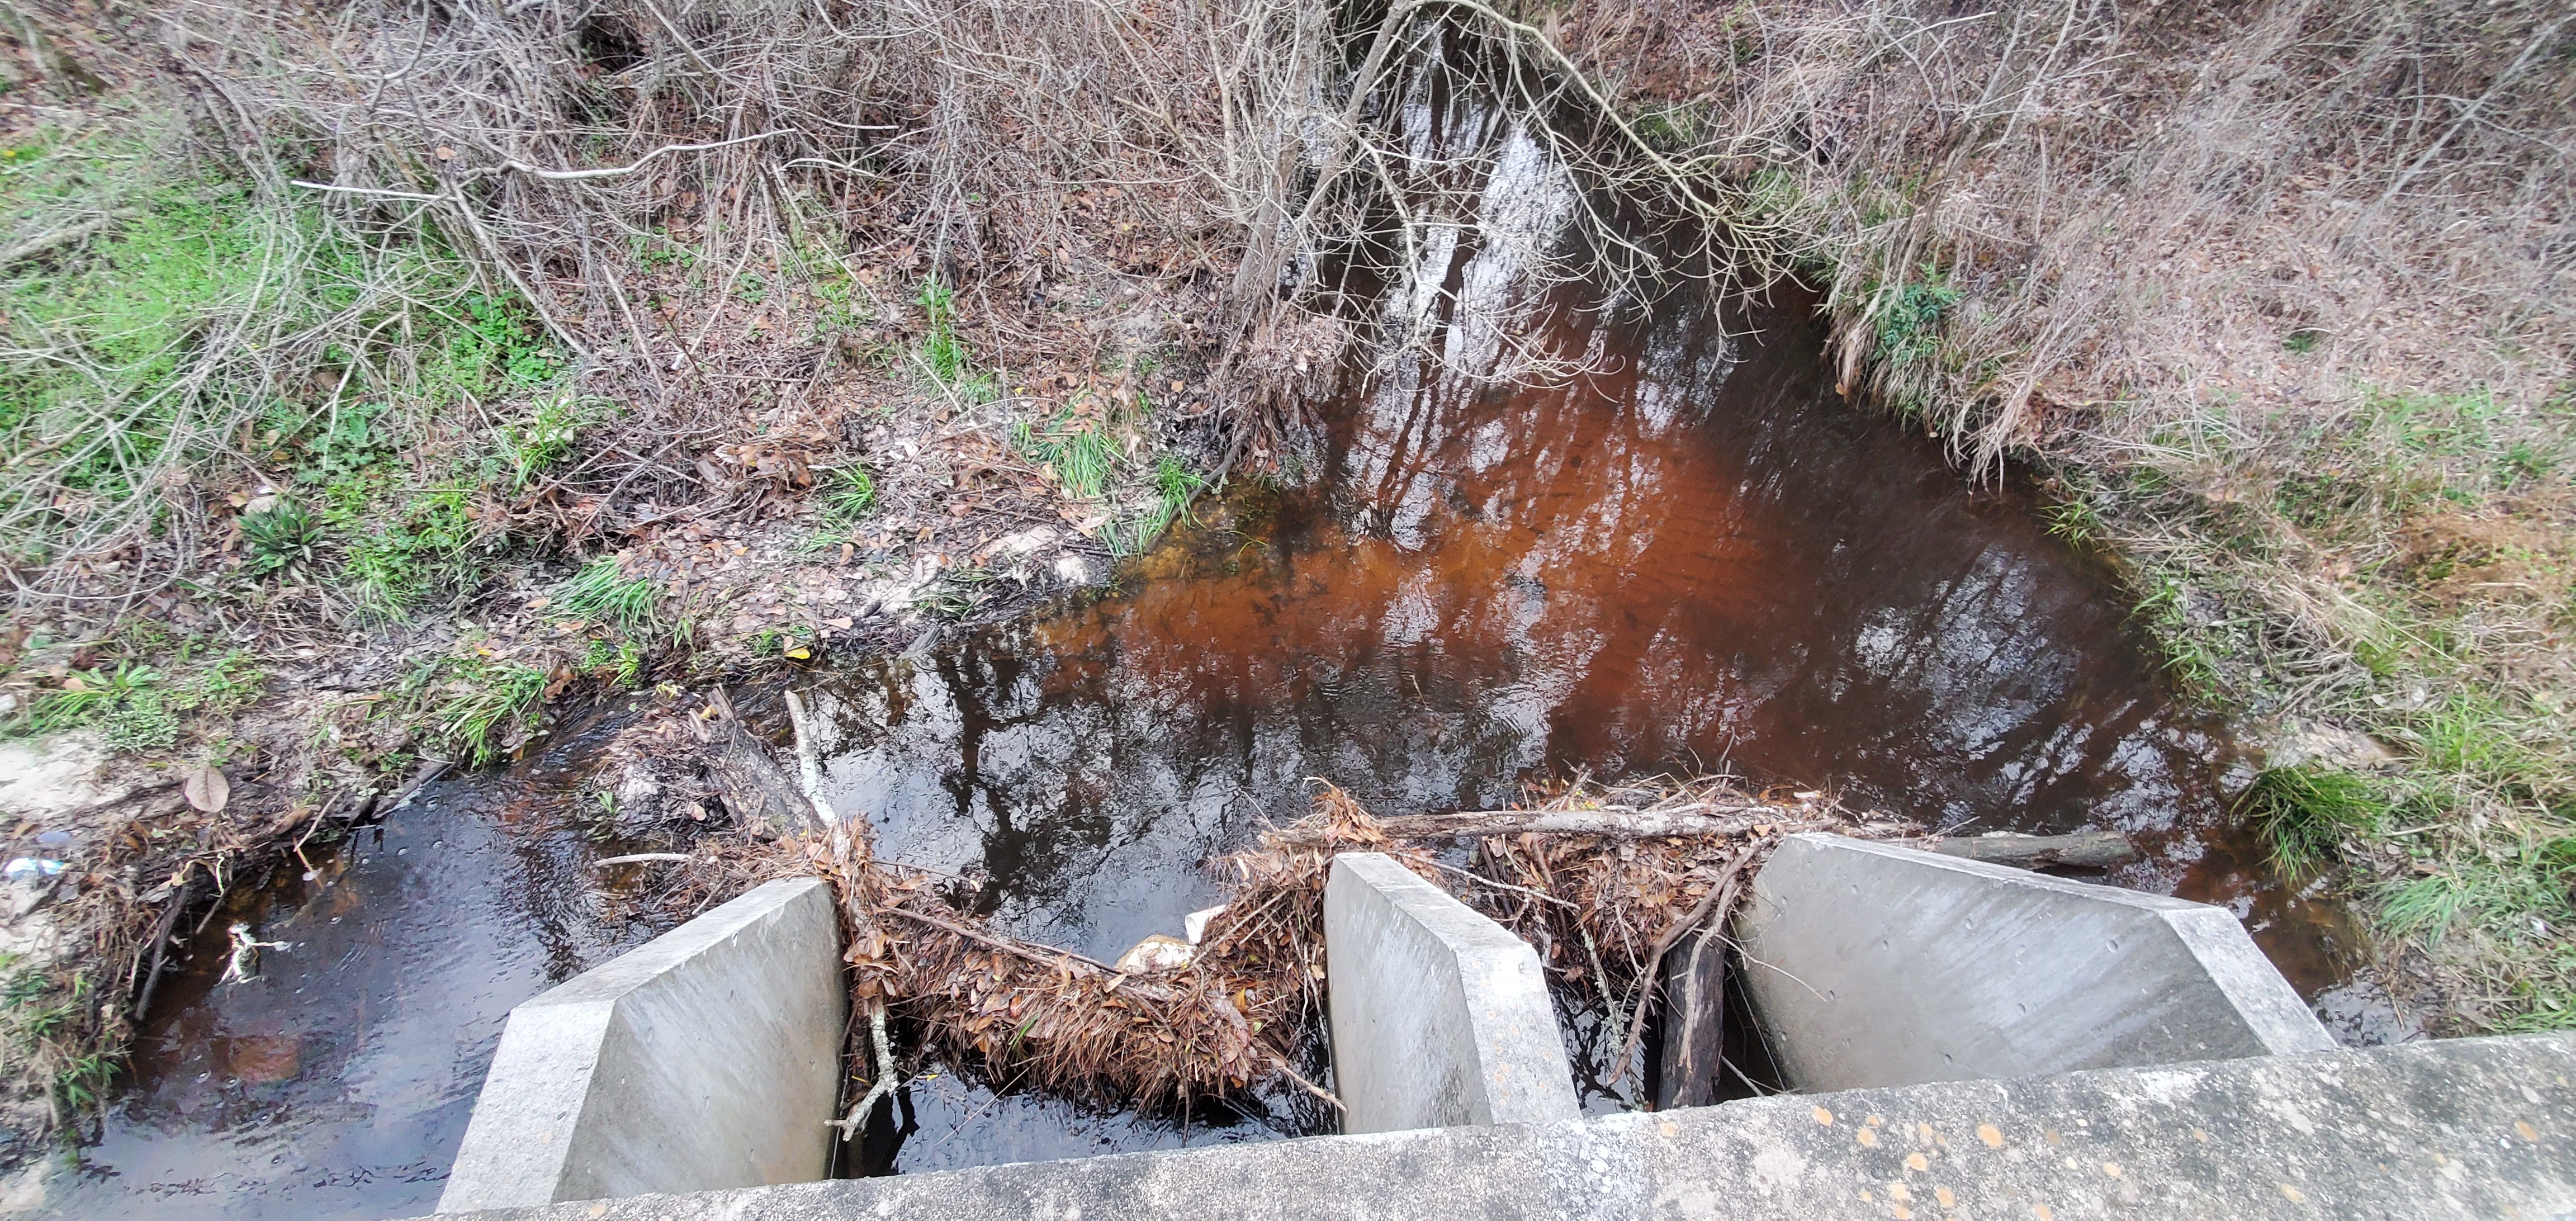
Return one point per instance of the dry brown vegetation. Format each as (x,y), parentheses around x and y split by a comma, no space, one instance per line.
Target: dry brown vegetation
(2276,295)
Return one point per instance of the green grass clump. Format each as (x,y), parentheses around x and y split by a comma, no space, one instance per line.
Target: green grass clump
(849,493)
(1174,487)
(1079,451)
(477,709)
(532,445)
(2075,521)
(2304,812)
(601,593)
(942,352)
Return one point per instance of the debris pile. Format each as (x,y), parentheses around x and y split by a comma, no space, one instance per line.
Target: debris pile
(1602,880)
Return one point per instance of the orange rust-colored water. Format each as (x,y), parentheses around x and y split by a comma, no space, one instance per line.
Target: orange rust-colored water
(1694,557)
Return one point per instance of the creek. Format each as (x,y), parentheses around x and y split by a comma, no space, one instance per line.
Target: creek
(1678,550)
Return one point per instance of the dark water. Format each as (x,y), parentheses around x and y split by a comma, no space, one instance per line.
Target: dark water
(1693,557)
(338,1083)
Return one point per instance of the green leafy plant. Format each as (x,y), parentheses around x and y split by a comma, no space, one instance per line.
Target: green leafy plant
(87,697)
(623,661)
(280,538)
(1909,321)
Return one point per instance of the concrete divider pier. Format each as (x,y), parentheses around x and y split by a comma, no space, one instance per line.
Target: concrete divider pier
(1440,1017)
(707,1058)
(1875,965)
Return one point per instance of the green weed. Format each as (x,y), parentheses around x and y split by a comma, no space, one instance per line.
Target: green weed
(543,438)
(1909,321)
(656,251)
(138,707)
(941,351)
(87,697)
(849,493)
(477,709)
(280,538)
(426,547)
(601,593)
(2077,522)
(623,661)
(2190,656)
(1080,452)
(957,592)
(2304,813)
(1175,485)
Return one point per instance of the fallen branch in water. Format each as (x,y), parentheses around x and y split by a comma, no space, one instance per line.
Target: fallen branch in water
(2081,850)
(637,858)
(1702,818)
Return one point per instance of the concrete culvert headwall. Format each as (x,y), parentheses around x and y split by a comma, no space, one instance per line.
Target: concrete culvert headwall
(708,1058)
(1440,1017)
(1873,965)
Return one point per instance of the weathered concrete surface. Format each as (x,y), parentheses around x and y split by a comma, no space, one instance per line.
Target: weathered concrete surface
(709,1057)
(1439,1015)
(2471,1127)
(1876,965)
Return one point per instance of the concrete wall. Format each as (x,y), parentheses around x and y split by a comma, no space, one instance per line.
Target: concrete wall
(1439,1015)
(2456,1128)
(709,1057)
(1876,965)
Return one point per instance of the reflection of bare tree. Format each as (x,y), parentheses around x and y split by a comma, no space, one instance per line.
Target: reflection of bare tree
(1669,555)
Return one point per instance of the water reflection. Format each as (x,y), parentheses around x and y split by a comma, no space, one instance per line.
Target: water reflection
(1690,555)
(338,1083)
